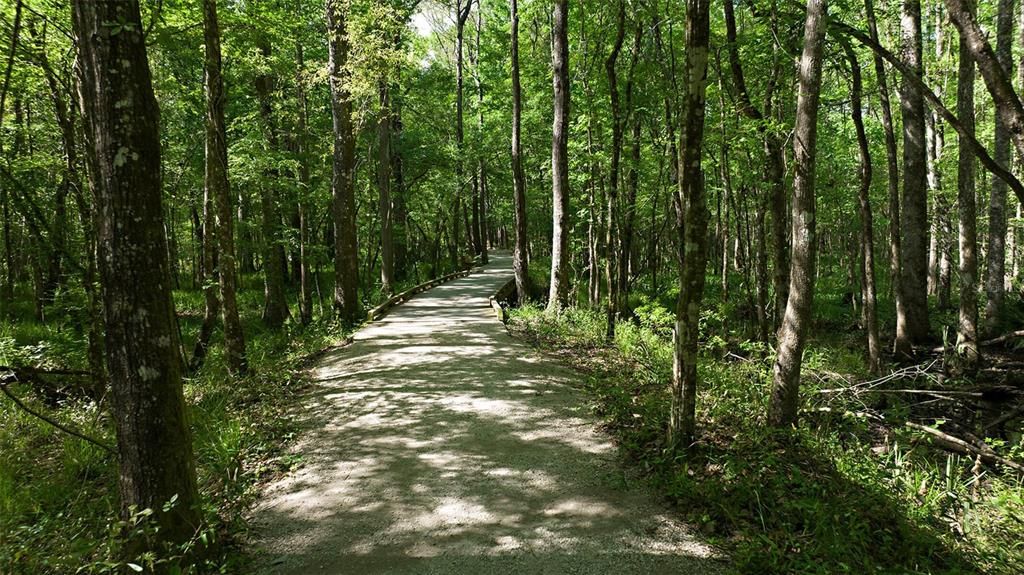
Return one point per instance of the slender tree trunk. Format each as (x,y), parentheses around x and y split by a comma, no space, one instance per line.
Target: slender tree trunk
(633,180)
(302,138)
(559,289)
(385,212)
(995,292)
(480,202)
(458,212)
(275,308)
(143,352)
(695,216)
(346,260)
(967,325)
(793,333)
(218,186)
(867,233)
(612,239)
(519,255)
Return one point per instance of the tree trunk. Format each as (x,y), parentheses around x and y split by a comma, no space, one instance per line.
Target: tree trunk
(629,211)
(275,307)
(519,256)
(559,288)
(867,233)
(387,249)
(346,257)
(143,353)
(302,138)
(995,291)
(209,279)
(612,239)
(480,202)
(912,324)
(218,186)
(792,335)
(967,326)
(695,216)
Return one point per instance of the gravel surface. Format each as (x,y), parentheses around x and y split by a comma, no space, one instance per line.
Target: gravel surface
(436,443)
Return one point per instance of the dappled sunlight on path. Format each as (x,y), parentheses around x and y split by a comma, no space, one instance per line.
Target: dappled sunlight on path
(438,444)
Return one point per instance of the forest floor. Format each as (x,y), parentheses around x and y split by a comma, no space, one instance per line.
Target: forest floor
(437,443)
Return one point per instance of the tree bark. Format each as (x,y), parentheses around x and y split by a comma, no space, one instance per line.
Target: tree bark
(346,260)
(275,307)
(912,324)
(682,416)
(559,289)
(519,256)
(143,352)
(218,186)
(867,233)
(967,324)
(792,335)
(995,291)
(612,239)
(302,140)
(384,206)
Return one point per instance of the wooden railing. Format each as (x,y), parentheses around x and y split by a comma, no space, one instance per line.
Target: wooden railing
(382,309)
(505,293)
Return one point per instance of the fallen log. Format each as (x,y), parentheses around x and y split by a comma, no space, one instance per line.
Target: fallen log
(957,445)
(988,342)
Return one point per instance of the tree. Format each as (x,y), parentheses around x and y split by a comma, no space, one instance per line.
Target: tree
(912,320)
(793,333)
(346,263)
(612,243)
(967,324)
(217,186)
(694,225)
(996,254)
(122,126)
(867,240)
(559,289)
(519,255)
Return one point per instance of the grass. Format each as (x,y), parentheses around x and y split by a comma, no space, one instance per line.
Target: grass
(836,495)
(59,512)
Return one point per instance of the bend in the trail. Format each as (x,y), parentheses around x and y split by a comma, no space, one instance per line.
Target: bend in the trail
(436,443)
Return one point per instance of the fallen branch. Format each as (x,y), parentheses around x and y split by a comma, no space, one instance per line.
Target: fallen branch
(5,382)
(957,445)
(988,342)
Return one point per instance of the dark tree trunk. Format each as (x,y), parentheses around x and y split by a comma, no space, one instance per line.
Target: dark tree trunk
(305,276)
(559,289)
(209,280)
(967,325)
(346,256)
(995,291)
(695,216)
(143,352)
(218,186)
(519,255)
(793,333)
(612,239)
(912,323)
(867,233)
(629,209)
(275,308)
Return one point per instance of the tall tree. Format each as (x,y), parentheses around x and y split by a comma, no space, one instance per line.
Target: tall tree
(867,234)
(302,146)
(218,186)
(346,255)
(384,205)
(793,333)
(462,9)
(612,244)
(912,323)
(519,255)
(967,325)
(143,354)
(559,288)
(693,224)
(995,292)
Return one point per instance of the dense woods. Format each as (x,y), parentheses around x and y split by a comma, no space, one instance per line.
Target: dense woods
(783,240)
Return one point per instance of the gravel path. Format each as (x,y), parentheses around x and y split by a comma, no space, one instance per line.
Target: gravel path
(436,443)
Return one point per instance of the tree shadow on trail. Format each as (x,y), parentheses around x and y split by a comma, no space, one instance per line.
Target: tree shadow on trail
(438,444)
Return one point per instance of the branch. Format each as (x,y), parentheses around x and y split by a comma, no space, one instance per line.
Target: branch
(12,376)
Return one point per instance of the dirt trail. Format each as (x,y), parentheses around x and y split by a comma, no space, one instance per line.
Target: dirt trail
(436,443)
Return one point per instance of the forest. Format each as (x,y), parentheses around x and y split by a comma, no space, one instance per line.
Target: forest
(777,245)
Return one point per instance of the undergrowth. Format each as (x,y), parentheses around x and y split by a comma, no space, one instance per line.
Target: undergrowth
(835,495)
(59,511)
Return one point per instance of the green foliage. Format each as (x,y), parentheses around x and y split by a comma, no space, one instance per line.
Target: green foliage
(822,498)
